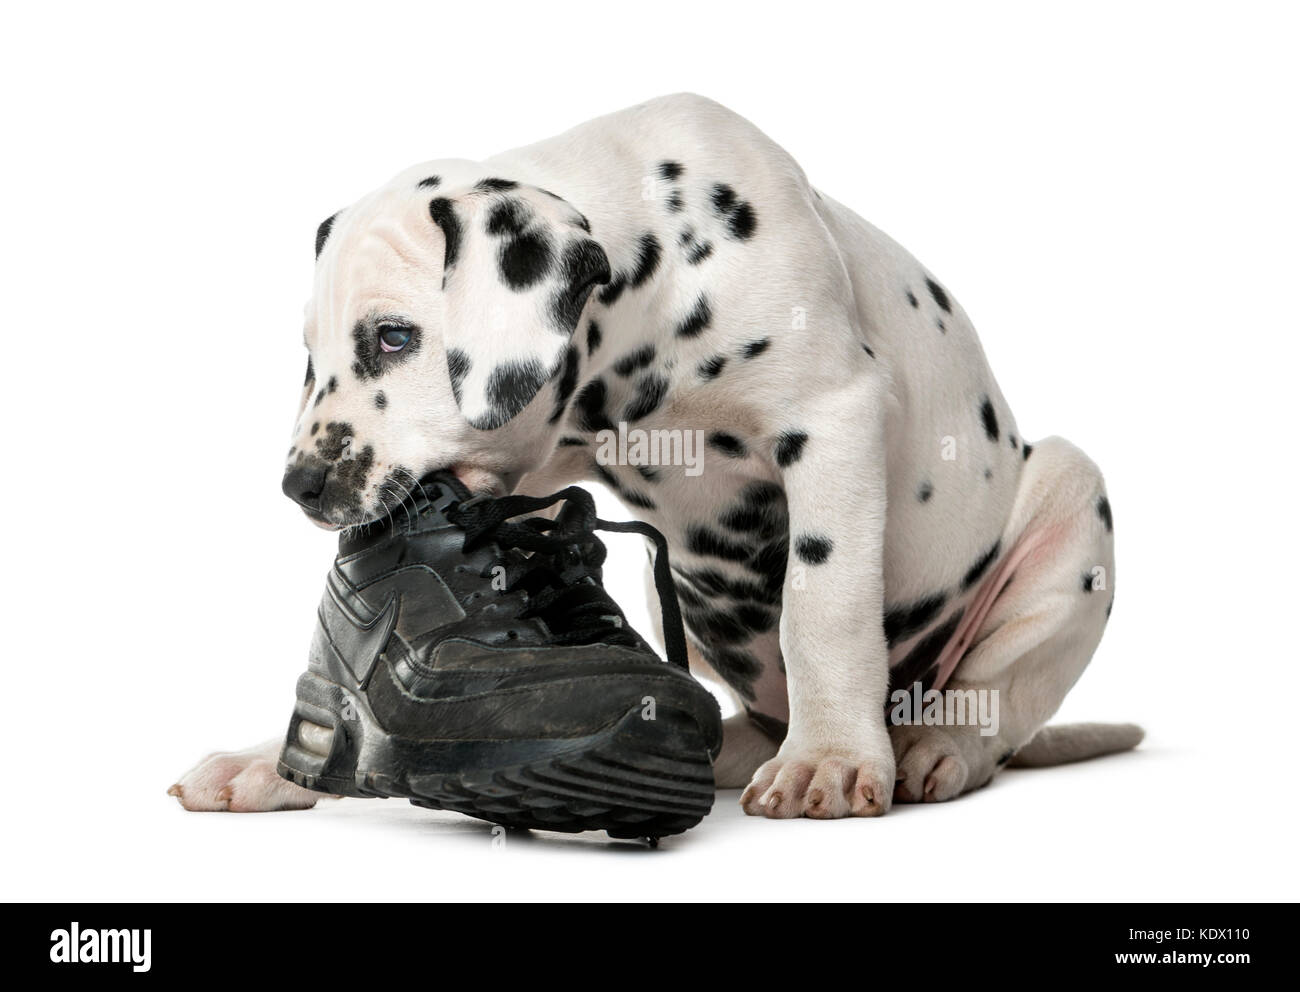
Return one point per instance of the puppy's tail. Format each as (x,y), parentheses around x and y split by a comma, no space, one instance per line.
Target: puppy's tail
(1068,742)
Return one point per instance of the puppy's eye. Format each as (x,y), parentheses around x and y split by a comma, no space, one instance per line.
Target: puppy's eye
(393,338)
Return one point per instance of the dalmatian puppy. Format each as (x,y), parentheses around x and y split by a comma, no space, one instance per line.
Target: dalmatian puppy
(865,514)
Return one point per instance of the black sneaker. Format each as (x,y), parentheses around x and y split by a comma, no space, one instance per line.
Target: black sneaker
(465,660)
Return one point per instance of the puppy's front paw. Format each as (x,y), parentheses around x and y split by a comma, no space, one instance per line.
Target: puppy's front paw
(241,782)
(825,783)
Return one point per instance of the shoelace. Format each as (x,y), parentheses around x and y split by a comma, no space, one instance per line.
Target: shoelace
(565,553)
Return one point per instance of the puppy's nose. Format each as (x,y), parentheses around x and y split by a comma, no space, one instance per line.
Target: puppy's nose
(303,483)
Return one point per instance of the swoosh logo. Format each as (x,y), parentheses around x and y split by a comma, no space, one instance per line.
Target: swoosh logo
(359,642)
(416,600)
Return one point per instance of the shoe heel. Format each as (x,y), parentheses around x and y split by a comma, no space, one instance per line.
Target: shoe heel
(324,738)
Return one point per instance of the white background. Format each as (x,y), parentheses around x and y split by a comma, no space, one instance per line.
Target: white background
(1109,189)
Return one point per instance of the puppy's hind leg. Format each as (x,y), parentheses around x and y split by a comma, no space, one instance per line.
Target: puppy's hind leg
(1042,613)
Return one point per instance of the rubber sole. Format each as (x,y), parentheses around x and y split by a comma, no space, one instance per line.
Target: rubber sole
(633,778)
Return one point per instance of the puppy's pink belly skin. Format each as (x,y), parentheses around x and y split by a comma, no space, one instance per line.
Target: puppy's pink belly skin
(975,605)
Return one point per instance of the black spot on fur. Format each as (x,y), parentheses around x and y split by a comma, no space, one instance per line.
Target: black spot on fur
(323,233)
(650,392)
(1005,757)
(917,664)
(770,561)
(902,621)
(494,185)
(711,368)
(610,294)
(381,400)
(715,625)
(458,366)
(311,374)
(943,328)
(630,496)
(924,492)
(647,262)
(1011,440)
(743,222)
(590,407)
(338,439)
(593,337)
(715,583)
(319,396)
(760,511)
(333,385)
(697,320)
(789,447)
(444,215)
(940,297)
(1028,450)
(911,298)
(977,570)
(637,499)
(867,348)
(709,543)
(635,361)
(583,265)
(510,386)
(988,474)
(1103,511)
(728,444)
(724,198)
(429,182)
(566,384)
(698,252)
(739,215)
(314,428)
(756,348)
(990,418)
(755,619)
(739,669)
(670,170)
(1087,582)
(813,549)
(525,260)
(509,216)
(676,204)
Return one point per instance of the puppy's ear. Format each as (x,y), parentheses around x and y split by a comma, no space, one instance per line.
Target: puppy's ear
(519,267)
